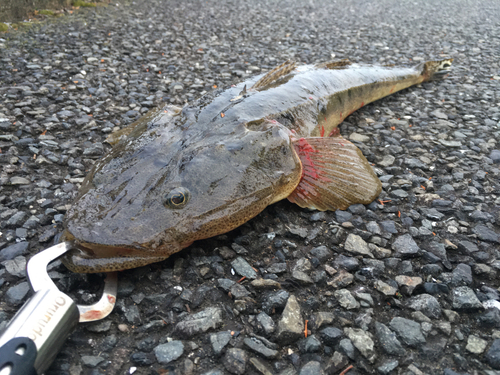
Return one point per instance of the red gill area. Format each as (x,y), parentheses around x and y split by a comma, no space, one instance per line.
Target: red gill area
(312,171)
(309,157)
(304,150)
(334,133)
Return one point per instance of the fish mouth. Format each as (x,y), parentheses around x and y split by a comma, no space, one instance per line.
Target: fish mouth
(87,257)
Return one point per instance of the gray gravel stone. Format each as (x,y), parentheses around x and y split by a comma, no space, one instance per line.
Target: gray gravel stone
(476,345)
(408,283)
(362,341)
(310,344)
(322,253)
(311,368)
(91,360)
(132,314)
(321,319)
(336,363)
(387,367)
(219,341)
(464,298)
(19,181)
(291,324)
(16,294)
(274,300)
(260,366)
(213,372)
(346,300)
(242,268)
(210,318)
(356,245)
(486,234)
(239,291)
(301,277)
(235,360)
(385,288)
(388,340)
(405,247)
(346,347)
(408,331)
(16,219)
(102,326)
(12,251)
(331,335)
(267,323)
(495,156)
(343,216)
(462,275)
(258,347)
(166,353)
(493,355)
(347,263)
(427,304)
(16,267)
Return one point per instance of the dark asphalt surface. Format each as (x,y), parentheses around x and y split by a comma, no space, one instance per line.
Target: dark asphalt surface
(421,300)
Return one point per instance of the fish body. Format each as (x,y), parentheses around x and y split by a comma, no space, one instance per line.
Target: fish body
(177,176)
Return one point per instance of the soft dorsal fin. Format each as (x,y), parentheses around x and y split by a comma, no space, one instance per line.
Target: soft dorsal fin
(335,174)
(340,64)
(274,74)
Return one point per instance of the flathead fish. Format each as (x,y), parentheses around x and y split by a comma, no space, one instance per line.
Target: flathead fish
(176,176)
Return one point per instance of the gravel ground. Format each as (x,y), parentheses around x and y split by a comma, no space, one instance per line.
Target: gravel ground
(406,285)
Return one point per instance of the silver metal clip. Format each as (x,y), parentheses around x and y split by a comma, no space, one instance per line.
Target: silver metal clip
(49,316)
(40,280)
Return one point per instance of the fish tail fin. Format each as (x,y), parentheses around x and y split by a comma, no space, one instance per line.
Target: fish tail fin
(435,70)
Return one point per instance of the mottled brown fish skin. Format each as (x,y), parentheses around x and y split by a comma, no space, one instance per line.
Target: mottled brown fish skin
(177,176)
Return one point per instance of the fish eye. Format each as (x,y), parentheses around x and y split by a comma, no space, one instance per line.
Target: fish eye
(177,198)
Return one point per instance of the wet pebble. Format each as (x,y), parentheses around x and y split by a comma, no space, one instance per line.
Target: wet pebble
(311,368)
(464,298)
(476,345)
(427,304)
(291,324)
(258,347)
(12,251)
(235,361)
(210,318)
(493,355)
(166,353)
(15,295)
(242,267)
(405,246)
(356,245)
(390,343)
(408,331)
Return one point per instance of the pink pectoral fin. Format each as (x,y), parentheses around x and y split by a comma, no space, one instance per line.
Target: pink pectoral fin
(335,174)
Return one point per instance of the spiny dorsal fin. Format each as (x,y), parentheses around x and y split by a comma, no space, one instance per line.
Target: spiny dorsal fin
(335,174)
(334,64)
(273,75)
(166,113)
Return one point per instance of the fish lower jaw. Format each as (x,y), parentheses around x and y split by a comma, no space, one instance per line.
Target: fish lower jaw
(93,258)
(96,265)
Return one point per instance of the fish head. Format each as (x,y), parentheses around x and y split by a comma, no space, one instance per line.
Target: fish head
(157,192)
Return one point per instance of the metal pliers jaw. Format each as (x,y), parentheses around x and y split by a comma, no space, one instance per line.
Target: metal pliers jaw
(32,339)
